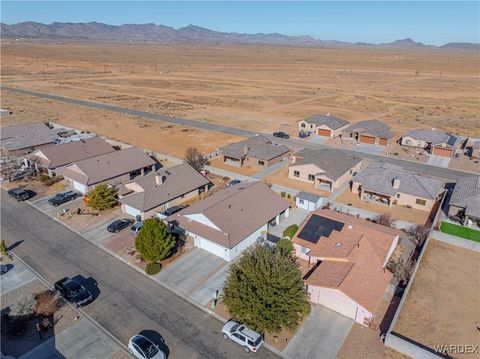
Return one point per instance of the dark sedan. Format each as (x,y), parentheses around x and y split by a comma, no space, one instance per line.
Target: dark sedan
(19,194)
(64,197)
(73,291)
(119,224)
(281,135)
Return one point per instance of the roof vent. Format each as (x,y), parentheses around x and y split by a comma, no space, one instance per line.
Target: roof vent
(350,226)
(338,244)
(327,114)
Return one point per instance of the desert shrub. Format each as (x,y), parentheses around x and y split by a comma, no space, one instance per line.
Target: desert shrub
(195,158)
(384,219)
(289,195)
(153,268)
(52,180)
(47,303)
(3,248)
(43,177)
(23,308)
(283,193)
(290,231)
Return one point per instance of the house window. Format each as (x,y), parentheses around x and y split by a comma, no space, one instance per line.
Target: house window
(303,125)
(304,250)
(296,173)
(301,201)
(351,171)
(261,163)
(311,126)
(398,195)
(421,202)
(311,177)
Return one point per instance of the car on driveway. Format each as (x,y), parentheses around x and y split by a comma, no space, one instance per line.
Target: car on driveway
(233,182)
(281,134)
(73,291)
(143,348)
(118,225)
(19,194)
(172,210)
(63,197)
(240,334)
(137,226)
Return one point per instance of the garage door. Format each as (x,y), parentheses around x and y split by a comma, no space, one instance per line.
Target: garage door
(345,308)
(79,187)
(322,132)
(131,211)
(444,152)
(211,247)
(382,142)
(367,139)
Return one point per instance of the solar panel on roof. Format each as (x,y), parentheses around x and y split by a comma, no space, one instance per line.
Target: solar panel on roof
(318,226)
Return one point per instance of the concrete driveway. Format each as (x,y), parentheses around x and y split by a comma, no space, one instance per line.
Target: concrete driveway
(372,149)
(438,161)
(318,139)
(17,276)
(43,204)
(197,275)
(99,233)
(296,216)
(321,336)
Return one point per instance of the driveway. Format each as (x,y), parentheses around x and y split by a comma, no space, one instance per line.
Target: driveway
(318,139)
(296,216)
(372,149)
(43,204)
(197,274)
(438,161)
(321,336)
(17,276)
(98,233)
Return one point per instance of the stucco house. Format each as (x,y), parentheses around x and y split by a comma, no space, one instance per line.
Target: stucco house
(51,157)
(308,201)
(392,185)
(326,169)
(113,168)
(373,132)
(437,143)
(465,199)
(256,152)
(157,191)
(231,220)
(347,260)
(323,125)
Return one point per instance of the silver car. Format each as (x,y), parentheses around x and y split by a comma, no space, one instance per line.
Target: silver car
(143,348)
(239,333)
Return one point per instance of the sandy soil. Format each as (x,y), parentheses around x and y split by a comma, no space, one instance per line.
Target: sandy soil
(258,87)
(442,306)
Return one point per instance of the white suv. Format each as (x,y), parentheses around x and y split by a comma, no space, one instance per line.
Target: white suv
(247,338)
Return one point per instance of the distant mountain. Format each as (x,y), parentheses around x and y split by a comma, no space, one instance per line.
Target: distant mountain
(189,34)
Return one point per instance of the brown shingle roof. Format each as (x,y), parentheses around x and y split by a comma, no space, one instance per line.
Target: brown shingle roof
(329,274)
(260,147)
(30,135)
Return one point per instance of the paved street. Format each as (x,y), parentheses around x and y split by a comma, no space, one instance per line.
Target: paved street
(297,143)
(128,302)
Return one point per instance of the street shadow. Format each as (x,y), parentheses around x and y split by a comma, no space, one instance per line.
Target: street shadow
(15,245)
(157,339)
(8,268)
(90,284)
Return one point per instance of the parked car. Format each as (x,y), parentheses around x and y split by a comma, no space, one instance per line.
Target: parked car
(61,198)
(143,348)
(281,135)
(303,134)
(73,291)
(233,182)
(118,225)
(172,210)
(3,269)
(19,194)
(136,227)
(239,333)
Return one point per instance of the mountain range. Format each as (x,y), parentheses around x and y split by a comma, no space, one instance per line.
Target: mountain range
(190,34)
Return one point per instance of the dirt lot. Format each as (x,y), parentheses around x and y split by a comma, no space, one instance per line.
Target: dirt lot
(258,87)
(442,306)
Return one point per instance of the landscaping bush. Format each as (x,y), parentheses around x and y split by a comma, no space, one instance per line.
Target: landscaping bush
(23,308)
(289,195)
(283,193)
(47,303)
(3,248)
(384,219)
(52,180)
(102,197)
(154,242)
(43,177)
(153,268)
(290,231)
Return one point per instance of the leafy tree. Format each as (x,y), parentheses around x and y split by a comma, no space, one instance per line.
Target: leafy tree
(384,219)
(290,231)
(154,242)
(3,248)
(264,290)
(102,197)
(285,246)
(195,158)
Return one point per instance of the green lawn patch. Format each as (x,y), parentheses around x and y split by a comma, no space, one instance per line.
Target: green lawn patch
(460,231)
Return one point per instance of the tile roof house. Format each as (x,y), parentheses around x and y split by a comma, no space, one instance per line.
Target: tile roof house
(373,132)
(326,169)
(465,199)
(22,139)
(257,152)
(323,125)
(438,143)
(153,193)
(392,185)
(347,259)
(54,156)
(113,168)
(231,220)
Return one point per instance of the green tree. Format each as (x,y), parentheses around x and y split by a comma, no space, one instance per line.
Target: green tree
(3,248)
(285,246)
(154,242)
(102,197)
(264,290)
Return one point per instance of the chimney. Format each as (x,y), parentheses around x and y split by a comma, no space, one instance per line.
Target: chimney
(159,179)
(245,150)
(396,183)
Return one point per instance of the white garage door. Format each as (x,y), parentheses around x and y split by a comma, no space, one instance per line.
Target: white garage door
(211,247)
(131,211)
(79,187)
(343,307)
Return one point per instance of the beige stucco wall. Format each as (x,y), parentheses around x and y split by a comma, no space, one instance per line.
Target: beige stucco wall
(313,128)
(476,153)
(413,142)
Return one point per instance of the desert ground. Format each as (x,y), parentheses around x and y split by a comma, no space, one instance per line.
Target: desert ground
(263,88)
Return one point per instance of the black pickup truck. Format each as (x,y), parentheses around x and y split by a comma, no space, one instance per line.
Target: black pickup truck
(73,291)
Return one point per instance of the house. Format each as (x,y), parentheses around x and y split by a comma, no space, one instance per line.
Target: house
(323,125)
(475,153)
(308,201)
(465,200)
(113,168)
(52,157)
(326,169)
(231,220)
(347,260)
(257,152)
(153,193)
(392,185)
(22,139)
(371,132)
(437,143)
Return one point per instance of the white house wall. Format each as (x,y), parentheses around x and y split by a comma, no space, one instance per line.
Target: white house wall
(247,242)
(198,217)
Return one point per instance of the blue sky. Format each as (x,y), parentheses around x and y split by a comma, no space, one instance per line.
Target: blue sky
(431,22)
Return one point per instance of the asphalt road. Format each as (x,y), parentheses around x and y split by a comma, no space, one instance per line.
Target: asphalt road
(297,143)
(128,301)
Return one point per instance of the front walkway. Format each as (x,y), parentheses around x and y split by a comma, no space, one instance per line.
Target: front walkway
(296,216)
